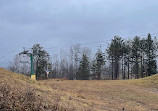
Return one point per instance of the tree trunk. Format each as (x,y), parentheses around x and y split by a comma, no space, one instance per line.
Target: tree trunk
(128,67)
(124,73)
(116,68)
(112,68)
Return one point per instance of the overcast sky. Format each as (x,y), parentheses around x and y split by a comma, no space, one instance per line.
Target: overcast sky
(58,23)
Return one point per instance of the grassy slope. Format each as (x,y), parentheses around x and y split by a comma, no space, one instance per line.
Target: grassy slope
(130,95)
(18,92)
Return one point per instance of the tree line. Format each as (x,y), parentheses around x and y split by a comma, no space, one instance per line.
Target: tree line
(122,59)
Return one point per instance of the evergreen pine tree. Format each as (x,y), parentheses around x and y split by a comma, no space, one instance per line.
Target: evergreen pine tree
(136,50)
(115,52)
(151,55)
(100,61)
(41,61)
(83,71)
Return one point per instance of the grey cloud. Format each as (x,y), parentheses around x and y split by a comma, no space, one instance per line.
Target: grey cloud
(64,22)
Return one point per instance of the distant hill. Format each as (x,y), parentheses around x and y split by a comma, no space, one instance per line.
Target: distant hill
(151,81)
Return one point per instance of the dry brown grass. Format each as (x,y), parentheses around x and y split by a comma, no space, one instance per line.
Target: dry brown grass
(106,95)
(19,93)
(88,95)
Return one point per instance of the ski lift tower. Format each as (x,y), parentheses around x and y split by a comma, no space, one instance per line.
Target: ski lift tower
(33,75)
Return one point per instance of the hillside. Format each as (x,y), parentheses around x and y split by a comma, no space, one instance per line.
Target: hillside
(20,93)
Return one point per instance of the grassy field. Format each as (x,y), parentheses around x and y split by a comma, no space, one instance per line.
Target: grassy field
(19,92)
